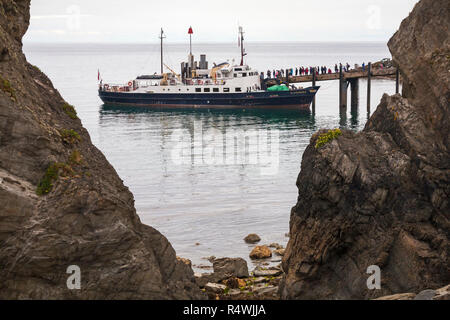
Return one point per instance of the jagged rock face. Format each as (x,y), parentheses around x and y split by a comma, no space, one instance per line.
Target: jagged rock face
(84,214)
(380,197)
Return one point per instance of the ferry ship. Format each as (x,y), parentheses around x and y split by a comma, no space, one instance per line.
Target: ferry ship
(224,86)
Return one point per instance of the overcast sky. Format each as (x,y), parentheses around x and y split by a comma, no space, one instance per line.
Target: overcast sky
(215,21)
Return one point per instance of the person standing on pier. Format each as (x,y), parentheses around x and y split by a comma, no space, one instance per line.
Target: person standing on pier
(364,66)
(268,74)
(336,70)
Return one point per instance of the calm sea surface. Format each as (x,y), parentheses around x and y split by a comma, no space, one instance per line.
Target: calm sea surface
(206,205)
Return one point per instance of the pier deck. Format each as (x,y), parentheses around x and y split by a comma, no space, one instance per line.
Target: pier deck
(354,74)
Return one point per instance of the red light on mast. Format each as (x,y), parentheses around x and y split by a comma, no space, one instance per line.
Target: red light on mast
(190,30)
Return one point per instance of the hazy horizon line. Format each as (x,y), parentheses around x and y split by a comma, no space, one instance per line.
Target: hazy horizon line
(203,42)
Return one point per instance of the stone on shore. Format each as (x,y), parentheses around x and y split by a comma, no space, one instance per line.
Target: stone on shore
(400,296)
(260,252)
(267,272)
(185,261)
(231,267)
(215,287)
(252,238)
(276,246)
(440,294)
(235,283)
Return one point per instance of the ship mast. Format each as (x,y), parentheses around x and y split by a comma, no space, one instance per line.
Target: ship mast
(243,54)
(162,56)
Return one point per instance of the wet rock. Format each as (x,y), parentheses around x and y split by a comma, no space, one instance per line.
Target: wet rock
(231,267)
(440,294)
(443,293)
(185,261)
(264,289)
(426,295)
(205,278)
(380,196)
(400,296)
(252,238)
(235,283)
(258,279)
(276,246)
(261,252)
(267,272)
(215,288)
(280,252)
(62,203)
(210,259)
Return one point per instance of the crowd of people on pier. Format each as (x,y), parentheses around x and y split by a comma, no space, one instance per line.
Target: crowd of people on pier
(305,71)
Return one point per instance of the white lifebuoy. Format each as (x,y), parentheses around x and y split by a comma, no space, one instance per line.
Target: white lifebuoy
(130,84)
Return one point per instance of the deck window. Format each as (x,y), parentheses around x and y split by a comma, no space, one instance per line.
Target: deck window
(198,89)
(226,89)
(238,89)
(244,74)
(207,90)
(215,89)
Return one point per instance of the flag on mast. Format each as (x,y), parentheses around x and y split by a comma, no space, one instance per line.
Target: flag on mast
(190,30)
(98,74)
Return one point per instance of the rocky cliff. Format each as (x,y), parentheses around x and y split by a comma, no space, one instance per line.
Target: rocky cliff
(381,196)
(61,202)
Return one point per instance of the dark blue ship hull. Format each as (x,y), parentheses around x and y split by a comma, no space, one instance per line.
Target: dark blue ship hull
(295,100)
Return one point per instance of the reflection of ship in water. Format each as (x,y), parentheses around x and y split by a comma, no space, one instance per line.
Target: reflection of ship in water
(279,118)
(224,86)
(247,139)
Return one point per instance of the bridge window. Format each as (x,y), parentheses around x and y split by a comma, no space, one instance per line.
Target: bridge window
(244,74)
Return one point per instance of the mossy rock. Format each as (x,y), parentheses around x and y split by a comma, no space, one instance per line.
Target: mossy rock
(70,136)
(327,137)
(70,110)
(75,157)
(53,172)
(6,87)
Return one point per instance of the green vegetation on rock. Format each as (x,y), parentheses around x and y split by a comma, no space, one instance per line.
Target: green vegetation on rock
(53,172)
(70,136)
(324,138)
(70,110)
(6,87)
(75,157)
(46,183)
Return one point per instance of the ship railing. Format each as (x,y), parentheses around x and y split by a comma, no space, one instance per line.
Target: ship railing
(115,87)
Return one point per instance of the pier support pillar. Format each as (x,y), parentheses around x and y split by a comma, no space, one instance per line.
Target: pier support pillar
(369,80)
(342,92)
(354,89)
(397,81)
(314,84)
